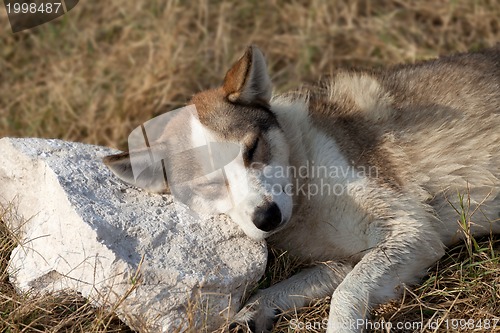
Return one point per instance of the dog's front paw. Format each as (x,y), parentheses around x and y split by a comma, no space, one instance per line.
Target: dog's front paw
(257,316)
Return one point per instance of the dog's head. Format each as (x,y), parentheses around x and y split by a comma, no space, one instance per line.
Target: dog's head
(247,151)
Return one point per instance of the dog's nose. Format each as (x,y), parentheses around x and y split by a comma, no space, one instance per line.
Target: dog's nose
(267,217)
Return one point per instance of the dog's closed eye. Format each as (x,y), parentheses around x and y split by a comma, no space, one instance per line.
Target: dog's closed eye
(251,149)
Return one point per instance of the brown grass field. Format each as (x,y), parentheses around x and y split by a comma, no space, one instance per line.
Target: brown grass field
(96,73)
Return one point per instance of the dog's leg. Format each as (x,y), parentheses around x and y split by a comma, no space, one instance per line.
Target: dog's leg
(260,312)
(407,248)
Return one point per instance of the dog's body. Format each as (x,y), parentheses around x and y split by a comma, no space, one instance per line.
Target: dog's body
(374,164)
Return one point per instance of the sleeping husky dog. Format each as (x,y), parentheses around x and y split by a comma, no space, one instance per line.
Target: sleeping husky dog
(361,175)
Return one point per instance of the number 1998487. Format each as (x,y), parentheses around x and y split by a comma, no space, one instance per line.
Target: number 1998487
(33,8)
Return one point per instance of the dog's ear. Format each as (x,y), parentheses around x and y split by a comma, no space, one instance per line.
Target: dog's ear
(149,176)
(248,82)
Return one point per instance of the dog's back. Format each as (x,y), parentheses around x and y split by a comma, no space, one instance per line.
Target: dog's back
(451,132)
(430,128)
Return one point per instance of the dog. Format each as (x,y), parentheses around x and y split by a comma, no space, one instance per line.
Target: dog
(360,175)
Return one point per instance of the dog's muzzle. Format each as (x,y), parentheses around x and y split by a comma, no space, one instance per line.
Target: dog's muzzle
(267,217)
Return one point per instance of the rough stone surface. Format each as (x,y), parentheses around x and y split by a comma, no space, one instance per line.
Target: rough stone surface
(87,231)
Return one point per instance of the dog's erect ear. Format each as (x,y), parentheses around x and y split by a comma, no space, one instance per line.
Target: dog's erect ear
(248,82)
(151,176)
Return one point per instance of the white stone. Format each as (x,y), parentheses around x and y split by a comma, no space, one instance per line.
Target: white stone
(87,231)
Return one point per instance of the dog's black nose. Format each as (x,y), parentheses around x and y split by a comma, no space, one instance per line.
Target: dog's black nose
(267,217)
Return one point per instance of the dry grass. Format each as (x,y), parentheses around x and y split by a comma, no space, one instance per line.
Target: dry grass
(459,291)
(107,66)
